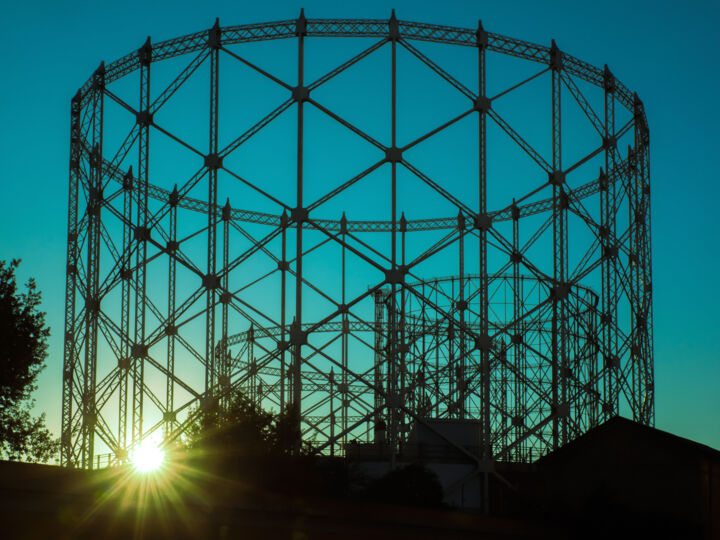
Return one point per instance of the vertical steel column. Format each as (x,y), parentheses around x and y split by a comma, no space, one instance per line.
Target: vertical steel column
(647,285)
(92,299)
(125,299)
(392,345)
(213,163)
(560,290)
(644,282)
(171,329)
(225,301)
(483,224)
(379,300)
(593,389)
(607,232)
(70,359)
(633,274)
(298,338)
(344,345)
(517,335)
(283,301)
(142,234)
(402,333)
(461,305)
(331,383)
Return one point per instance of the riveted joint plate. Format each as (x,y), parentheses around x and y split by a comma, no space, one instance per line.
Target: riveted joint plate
(211,281)
(214,37)
(301,25)
(610,252)
(298,336)
(299,215)
(92,305)
(142,234)
(127,182)
(139,350)
(608,81)
(145,53)
(556,178)
(207,403)
(556,57)
(609,143)
(481,37)
(483,343)
(395,275)
(393,401)
(90,419)
(603,181)
(562,410)
(560,291)
(482,104)
(144,118)
(226,211)
(301,93)
(483,222)
(563,200)
(393,28)
(99,77)
(612,361)
(393,154)
(213,161)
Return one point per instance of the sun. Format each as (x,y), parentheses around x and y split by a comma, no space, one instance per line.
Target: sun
(147,456)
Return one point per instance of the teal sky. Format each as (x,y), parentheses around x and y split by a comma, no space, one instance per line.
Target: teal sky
(668,52)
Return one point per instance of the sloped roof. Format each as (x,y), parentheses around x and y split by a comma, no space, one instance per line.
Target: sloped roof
(618,430)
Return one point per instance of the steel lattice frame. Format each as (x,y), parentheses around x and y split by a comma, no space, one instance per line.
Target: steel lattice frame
(561,358)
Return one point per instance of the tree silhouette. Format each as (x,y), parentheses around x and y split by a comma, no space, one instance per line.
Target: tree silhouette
(248,446)
(242,430)
(23,349)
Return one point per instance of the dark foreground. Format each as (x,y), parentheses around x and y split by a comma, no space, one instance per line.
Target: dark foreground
(620,480)
(40,501)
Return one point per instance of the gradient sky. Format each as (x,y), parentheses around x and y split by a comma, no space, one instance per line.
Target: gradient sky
(668,52)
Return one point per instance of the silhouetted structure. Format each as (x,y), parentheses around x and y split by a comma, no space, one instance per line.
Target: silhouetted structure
(619,480)
(542,330)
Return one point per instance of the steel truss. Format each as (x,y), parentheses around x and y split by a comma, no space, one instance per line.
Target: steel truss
(535,356)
